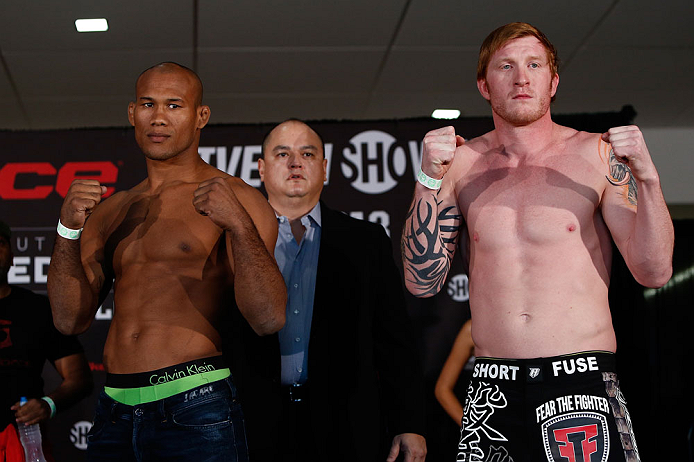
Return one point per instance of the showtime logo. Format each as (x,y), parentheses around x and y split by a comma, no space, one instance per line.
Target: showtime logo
(78,434)
(23,180)
(459,288)
(374,163)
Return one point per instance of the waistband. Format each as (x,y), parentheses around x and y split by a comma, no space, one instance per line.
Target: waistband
(554,368)
(145,387)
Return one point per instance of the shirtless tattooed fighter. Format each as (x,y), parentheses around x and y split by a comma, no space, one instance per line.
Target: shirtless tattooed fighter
(540,203)
(183,247)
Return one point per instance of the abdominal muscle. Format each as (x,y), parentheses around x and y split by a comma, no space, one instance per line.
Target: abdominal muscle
(162,319)
(534,300)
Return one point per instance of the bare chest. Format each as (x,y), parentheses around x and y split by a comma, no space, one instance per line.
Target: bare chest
(165,229)
(503,204)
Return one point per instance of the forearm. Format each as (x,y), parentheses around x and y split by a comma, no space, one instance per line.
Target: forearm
(260,291)
(428,242)
(73,302)
(651,243)
(70,392)
(449,402)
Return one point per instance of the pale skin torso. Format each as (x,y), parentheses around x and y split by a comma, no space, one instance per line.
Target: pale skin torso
(540,250)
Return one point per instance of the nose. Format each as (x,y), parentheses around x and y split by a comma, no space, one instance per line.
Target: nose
(521,77)
(295,161)
(158,117)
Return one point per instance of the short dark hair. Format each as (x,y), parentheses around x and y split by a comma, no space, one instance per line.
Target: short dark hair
(292,119)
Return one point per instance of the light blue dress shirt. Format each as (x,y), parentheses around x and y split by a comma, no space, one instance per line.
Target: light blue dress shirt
(298,264)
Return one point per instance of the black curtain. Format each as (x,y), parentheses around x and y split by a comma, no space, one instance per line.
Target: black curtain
(654,355)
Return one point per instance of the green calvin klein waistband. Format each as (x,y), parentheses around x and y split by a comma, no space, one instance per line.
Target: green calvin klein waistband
(147,394)
(145,387)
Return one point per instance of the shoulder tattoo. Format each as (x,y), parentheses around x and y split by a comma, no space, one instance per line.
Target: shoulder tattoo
(620,175)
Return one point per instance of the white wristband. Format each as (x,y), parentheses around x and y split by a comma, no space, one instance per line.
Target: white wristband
(51,404)
(67,233)
(428,181)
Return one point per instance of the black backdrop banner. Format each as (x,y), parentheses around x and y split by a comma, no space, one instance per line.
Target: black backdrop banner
(371,174)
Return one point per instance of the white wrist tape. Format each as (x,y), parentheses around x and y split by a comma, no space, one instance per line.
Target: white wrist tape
(428,181)
(67,233)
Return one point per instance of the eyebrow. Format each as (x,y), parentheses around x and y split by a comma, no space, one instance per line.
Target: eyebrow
(533,57)
(282,147)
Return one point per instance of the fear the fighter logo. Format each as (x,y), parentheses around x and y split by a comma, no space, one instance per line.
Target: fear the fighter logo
(576,437)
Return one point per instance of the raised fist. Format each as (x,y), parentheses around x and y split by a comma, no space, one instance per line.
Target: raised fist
(80,201)
(438,150)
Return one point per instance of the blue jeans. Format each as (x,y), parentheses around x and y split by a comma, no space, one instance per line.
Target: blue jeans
(201,424)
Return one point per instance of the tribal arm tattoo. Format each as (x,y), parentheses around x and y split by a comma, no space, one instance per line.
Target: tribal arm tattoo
(427,245)
(620,175)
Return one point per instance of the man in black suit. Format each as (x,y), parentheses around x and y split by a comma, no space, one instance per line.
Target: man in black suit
(351,381)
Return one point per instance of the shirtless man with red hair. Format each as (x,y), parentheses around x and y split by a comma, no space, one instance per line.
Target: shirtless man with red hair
(541,204)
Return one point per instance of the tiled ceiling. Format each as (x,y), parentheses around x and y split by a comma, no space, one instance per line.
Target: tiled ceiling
(266,60)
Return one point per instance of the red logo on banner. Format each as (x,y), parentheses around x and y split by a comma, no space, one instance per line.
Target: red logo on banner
(104,172)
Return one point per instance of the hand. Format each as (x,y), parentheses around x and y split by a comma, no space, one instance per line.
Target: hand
(80,201)
(215,199)
(412,445)
(629,148)
(438,150)
(33,411)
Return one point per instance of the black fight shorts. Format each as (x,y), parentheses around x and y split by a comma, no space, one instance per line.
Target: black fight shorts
(561,409)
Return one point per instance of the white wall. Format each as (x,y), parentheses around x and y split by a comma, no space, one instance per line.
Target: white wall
(672,150)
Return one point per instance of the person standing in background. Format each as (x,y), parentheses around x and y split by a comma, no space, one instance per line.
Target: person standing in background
(352,388)
(28,339)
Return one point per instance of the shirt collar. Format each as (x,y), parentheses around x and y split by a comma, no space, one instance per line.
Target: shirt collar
(314,214)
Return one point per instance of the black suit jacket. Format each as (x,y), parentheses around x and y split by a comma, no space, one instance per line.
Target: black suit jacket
(364,369)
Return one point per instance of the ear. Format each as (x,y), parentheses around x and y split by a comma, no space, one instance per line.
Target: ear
(131,113)
(482,87)
(261,169)
(555,84)
(203,116)
(325,169)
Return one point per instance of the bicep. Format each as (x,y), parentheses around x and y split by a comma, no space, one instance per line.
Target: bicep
(261,214)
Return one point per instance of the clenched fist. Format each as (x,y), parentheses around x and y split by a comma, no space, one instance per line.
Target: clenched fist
(80,201)
(215,199)
(438,151)
(629,148)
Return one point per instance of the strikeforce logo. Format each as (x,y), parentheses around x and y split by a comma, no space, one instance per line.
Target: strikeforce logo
(36,180)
